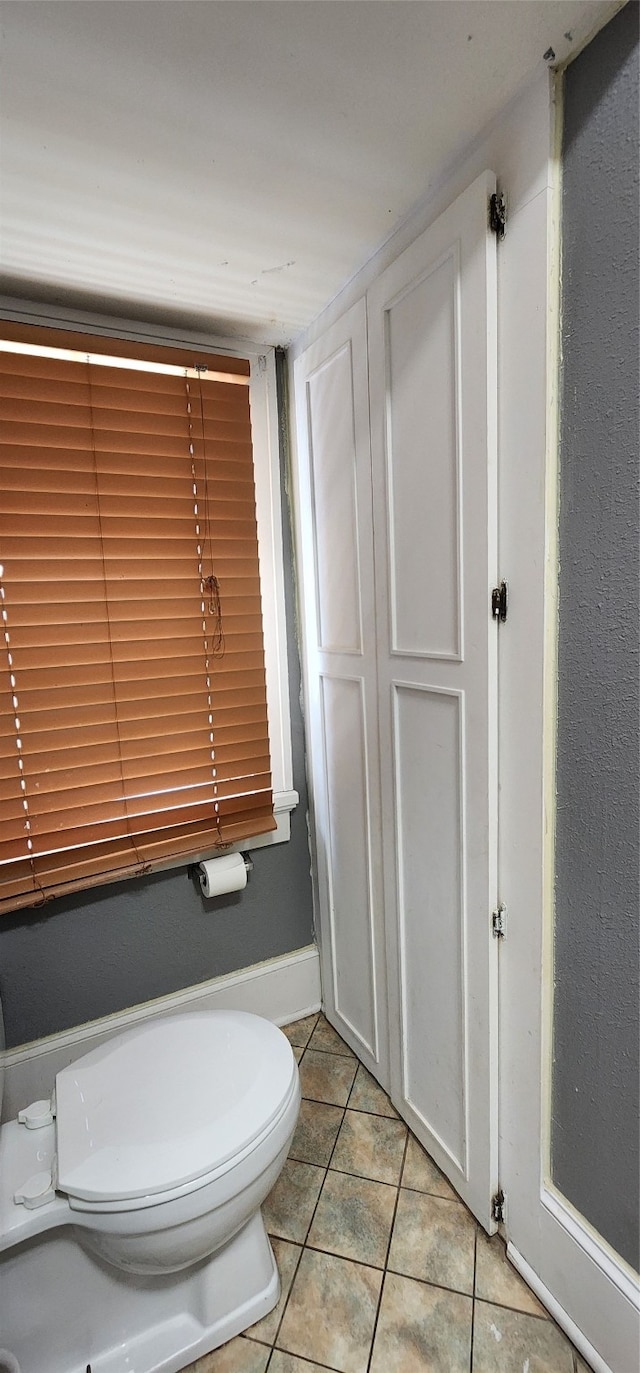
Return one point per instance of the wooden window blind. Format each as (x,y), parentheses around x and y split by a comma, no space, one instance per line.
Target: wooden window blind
(133,717)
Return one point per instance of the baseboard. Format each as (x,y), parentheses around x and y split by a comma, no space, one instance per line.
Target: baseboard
(595,1361)
(281,990)
(619,1273)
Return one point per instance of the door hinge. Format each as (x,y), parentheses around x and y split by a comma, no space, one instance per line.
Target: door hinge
(498,214)
(499,922)
(499,1207)
(500,601)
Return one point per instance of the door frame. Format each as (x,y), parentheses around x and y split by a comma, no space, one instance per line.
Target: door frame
(585,1285)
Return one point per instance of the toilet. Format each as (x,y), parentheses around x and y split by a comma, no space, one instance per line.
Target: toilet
(130,1228)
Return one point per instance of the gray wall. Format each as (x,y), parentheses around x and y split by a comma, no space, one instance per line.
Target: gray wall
(595,1100)
(91,954)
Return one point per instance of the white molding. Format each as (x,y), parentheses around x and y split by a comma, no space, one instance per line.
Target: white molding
(282,989)
(559,1314)
(594,1246)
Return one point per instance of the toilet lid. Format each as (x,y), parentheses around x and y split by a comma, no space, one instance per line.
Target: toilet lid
(165,1103)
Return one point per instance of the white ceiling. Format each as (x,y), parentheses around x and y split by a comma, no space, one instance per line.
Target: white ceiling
(231,164)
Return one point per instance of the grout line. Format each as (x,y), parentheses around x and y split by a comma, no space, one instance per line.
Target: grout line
(363,1177)
(518,1311)
(427,1282)
(344,1112)
(286,1303)
(335,1142)
(452,1201)
(473,1298)
(306,1235)
(301,1358)
(386,1257)
(348,1258)
(363,1263)
(344,1106)
(332,1053)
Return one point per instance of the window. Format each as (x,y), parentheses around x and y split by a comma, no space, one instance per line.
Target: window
(133,723)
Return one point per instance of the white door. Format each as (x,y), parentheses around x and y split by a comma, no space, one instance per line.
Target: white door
(335,545)
(432,360)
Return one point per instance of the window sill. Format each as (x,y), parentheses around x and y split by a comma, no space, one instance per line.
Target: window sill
(283,804)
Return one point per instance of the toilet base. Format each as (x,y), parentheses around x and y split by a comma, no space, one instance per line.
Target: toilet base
(80,1312)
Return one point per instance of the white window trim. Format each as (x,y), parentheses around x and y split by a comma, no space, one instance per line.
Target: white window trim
(266,450)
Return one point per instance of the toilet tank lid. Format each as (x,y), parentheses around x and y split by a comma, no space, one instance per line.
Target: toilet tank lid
(168,1102)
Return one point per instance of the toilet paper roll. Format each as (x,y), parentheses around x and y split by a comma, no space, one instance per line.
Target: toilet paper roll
(221,875)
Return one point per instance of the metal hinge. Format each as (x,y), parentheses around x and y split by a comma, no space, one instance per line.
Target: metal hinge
(499,922)
(499,1207)
(500,601)
(498,214)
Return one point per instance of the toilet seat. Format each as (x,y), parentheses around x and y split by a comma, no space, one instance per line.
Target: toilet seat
(163,1109)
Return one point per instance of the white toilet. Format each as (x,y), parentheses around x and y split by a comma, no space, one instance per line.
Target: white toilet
(130,1229)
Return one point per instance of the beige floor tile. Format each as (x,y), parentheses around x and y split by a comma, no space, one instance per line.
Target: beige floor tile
(421,1329)
(290,1205)
(290,1363)
(287,1256)
(420,1173)
(238,1356)
(433,1240)
(331,1312)
(353,1218)
(316,1132)
(297,1052)
(497,1281)
(505,1341)
(327,1039)
(327,1077)
(299,1032)
(370,1146)
(367,1095)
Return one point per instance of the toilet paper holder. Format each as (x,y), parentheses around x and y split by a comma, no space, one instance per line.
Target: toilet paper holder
(193,870)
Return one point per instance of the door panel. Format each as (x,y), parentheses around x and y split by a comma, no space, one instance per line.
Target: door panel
(344,730)
(334,494)
(432,357)
(422,386)
(335,550)
(427,746)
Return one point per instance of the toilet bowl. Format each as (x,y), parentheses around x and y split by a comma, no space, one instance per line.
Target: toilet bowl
(153,1157)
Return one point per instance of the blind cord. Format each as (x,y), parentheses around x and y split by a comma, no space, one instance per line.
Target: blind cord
(205,586)
(143,866)
(18,741)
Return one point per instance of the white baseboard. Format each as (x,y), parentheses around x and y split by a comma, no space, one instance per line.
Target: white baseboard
(610,1264)
(281,990)
(595,1361)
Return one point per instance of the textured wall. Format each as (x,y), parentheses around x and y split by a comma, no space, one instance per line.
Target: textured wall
(595,1100)
(91,954)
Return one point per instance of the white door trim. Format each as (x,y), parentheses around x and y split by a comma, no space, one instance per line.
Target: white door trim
(584,1285)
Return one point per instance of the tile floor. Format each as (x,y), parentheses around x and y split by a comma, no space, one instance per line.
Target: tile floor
(383,1269)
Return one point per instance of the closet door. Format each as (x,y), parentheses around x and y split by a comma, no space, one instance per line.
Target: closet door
(432,358)
(335,549)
